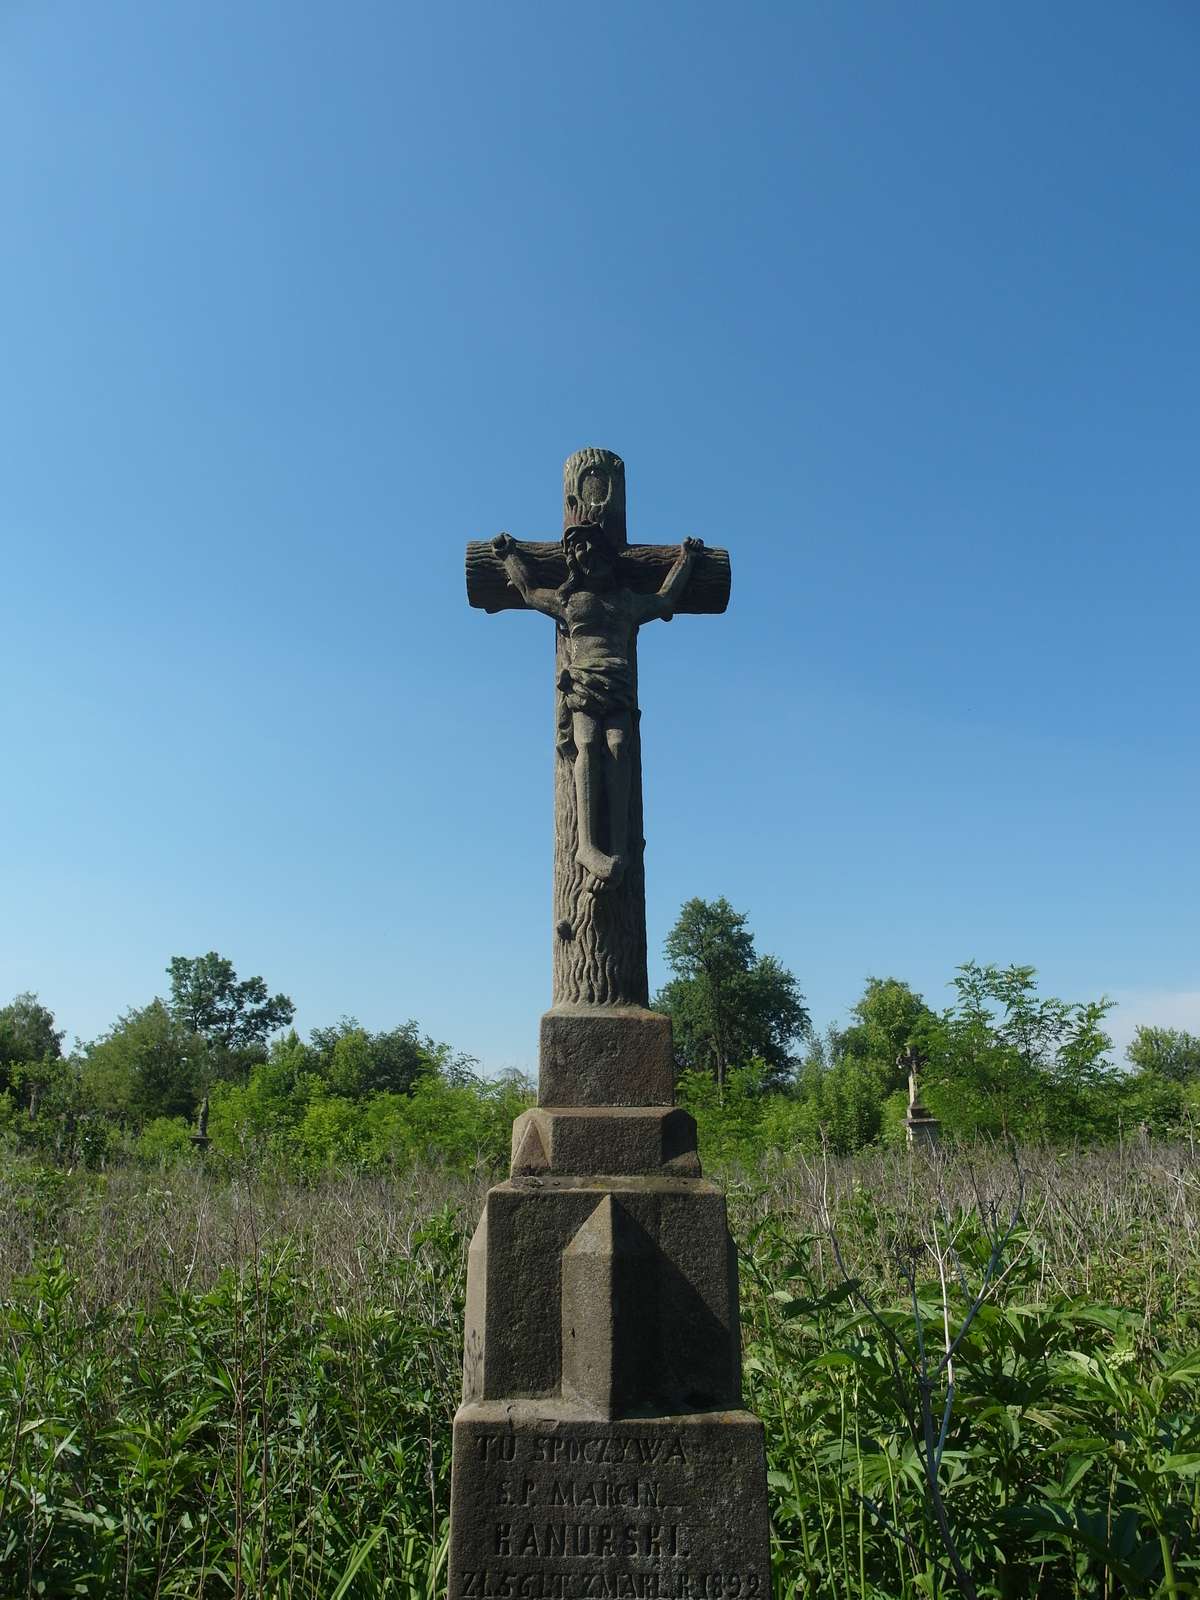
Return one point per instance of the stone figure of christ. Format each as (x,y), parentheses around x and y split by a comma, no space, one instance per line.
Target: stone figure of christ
(598,617)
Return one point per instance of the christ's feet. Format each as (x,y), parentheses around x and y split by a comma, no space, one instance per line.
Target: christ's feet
(606,870)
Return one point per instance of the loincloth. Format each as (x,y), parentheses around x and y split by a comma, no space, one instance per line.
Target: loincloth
(601,689)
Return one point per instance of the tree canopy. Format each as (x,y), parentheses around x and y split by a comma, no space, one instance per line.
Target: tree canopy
(1001,1060)
(30,1050)
(728,1005)
(230,1016)
(1013,1062)
(1170,1052)
(149,1064)
(27,1032)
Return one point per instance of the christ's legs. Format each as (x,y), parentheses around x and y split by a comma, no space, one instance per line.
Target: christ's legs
(617,775)
(589,786)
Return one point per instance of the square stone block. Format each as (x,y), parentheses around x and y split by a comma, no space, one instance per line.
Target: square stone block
(684,1321)
(605,1056)
(578,1141)
(546,1504)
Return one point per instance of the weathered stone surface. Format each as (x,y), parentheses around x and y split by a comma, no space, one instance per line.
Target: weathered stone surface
(605,1056)
(594,493)
(646,566)
(599,592)
(923,1132)
(923,1127)
(552,1505)
(609,1305)
(615,1141)
(601,1450)
(530,1147)
(689,1327)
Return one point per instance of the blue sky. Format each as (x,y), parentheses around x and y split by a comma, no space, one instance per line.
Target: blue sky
(898,302)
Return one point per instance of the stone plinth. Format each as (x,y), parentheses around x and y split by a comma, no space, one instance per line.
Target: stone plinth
(679,1329)
(924,1129)
(601,1449)
(563,1141)
(605,1056)
(565,1507)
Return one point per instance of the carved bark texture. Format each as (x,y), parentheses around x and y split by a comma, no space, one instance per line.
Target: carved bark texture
(594,491)
(600,938)
(644,567)
(600,932)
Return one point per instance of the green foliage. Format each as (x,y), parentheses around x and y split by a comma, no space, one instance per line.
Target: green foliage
(729,1118)
(356,1063)
(295,1109)
(888,1020)
(149,1064)
(843,1102)
(164,1140)
(260,1437)
(27,1031)
(848,1093)
(971,1435)
(233,1018)
(1002,1062)
(1168,1052)
(246,1387)
(729,1007)
(1008,1062)
(28,1041)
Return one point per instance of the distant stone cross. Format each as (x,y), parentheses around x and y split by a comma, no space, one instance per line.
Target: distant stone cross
(599,590)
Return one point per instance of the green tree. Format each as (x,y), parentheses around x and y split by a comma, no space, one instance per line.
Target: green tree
(1011,1062)
(27,1031)
(1169,1052)
(890,1018)
(149,1064)
(729,1006)
(234,1018)
(357,1063)
(27,1035)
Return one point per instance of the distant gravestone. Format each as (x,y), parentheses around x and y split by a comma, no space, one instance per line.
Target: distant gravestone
(922,1127)
(200,1138)
(601,1448)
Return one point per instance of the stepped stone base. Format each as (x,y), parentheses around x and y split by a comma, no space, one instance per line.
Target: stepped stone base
(551,1504)
(638,1273)
(562,1141)
(601,1452)
(605,1056)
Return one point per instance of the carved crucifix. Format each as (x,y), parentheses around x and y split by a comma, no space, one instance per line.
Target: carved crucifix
(599,590)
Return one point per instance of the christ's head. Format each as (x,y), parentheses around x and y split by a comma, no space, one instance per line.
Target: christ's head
(590,562)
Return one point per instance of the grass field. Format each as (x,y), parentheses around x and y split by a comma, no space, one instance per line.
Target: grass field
(216,1384)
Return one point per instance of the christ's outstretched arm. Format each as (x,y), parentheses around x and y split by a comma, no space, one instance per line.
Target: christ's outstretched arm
(663,603)
(544,600)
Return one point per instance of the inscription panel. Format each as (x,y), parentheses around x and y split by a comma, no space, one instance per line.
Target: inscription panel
(547,1506)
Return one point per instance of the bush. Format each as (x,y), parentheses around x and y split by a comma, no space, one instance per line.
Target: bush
(165,1139)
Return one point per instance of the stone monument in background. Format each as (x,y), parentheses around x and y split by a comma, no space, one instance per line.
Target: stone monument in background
(922,1127)
(601,1448)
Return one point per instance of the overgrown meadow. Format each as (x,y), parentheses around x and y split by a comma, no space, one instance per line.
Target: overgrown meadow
(979,1374)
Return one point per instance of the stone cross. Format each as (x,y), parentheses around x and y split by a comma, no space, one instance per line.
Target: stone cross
(601,1448)
(600,590)
(920,1123)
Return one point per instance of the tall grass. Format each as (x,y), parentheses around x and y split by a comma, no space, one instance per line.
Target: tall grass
(237,1386)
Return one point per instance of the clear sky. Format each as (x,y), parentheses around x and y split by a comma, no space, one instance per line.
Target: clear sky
(898,301)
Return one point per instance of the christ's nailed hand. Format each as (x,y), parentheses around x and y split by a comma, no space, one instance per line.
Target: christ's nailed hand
(504,544)
(692,547)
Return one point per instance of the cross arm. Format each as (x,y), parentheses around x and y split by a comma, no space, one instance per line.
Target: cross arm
(645,568)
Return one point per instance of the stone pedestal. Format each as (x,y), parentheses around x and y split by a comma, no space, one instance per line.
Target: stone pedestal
(566,1507)
(923,1128)
(601,1448)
